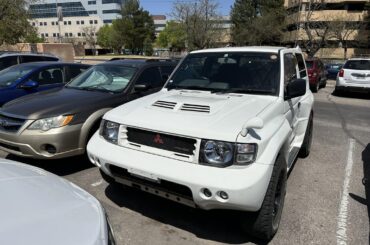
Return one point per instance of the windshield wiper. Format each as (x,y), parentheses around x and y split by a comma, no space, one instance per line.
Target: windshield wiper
(243,91)
(189,88)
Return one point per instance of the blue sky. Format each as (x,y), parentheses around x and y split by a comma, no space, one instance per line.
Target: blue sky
(165,6)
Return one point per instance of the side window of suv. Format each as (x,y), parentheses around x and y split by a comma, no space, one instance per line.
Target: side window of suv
(8,61)
(49,76)
(150,77)
(166,72)
(290,71)
(301,66)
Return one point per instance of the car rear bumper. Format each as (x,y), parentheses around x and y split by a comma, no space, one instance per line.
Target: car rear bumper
(37,144)
(245,186)
(345,85)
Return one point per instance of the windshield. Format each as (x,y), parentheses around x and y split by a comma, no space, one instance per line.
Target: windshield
(107,78)
(10,75)
(309,64)
(357,65)
(233,72)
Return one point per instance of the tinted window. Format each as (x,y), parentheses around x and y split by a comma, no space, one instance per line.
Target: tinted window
(301,66)
(238,72)
(45,58)
(290,71)
(6,62)
(10,75)
(74,71)
(357,65)
(166,72)
(108,78)
(30,58)
(48,76)
(150,77)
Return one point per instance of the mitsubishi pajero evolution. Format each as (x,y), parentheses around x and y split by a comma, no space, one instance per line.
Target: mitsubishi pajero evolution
(222,133)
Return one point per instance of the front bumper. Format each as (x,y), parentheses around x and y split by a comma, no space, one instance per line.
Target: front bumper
(245,186)
(32,143)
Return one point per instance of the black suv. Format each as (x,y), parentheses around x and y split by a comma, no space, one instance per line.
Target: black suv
(8,59)
(58,123)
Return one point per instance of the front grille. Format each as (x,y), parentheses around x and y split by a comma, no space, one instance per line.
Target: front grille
(162,141)
(170,187)
(10,124)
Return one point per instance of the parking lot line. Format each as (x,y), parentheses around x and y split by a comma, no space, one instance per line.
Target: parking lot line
(343,207)
(97,183)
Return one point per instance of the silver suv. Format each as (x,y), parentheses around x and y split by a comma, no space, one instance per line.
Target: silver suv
(354,76)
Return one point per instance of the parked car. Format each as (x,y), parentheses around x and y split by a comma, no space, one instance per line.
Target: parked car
(316,74)
(332,70)
(40,208)
(354,76)
(8,59)
(221,134)
(58,123)
(28,78)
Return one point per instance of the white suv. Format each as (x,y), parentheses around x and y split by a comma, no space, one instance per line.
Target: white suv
(354,76)
(221,134)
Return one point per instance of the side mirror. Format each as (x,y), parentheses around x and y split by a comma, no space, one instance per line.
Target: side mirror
(295,88)
(141,88)
(30,84)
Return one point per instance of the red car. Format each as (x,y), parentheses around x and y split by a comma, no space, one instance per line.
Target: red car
(316,74)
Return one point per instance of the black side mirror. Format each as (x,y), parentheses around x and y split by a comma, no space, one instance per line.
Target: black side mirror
(295,88)
(141,87)
(30,84)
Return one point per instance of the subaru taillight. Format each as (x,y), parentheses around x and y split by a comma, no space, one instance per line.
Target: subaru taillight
(341,73)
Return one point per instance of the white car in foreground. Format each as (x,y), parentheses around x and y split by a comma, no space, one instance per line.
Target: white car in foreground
(354,76)
(221,134)
(39,208)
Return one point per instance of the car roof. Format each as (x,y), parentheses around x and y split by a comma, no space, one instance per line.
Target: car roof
(137,63)
(365,58)
(48,63)
(9,53)
(267,49)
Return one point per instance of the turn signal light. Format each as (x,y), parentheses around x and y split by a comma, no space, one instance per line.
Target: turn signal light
(341,73)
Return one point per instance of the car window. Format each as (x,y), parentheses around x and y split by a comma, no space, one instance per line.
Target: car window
(106,78)
(290,71)
(48,76)
(309,64)
(10,75)
(150,77)
(228,72)
(301,66)
(74,71)
(8,61)
(30,58)
(166,72)
(357,65)
(46,58)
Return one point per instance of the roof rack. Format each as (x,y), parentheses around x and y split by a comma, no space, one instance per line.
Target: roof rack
(24,52)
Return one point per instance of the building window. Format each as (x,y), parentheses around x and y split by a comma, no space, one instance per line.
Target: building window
(65,23)
(33,24)
(66,34)
(54,35)
(83,34)
(108,21)
(69,22)
(93,12)
(42,35)
(79,34)
(52,23)
(41,23)
(91,2)
(111,1)
(82,22)
(95,22)
(91,22)
(112,11)
(78,22)
(45,24)
(46,35)
(70,34)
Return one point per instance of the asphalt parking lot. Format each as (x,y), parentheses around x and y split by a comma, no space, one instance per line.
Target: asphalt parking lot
(326,202)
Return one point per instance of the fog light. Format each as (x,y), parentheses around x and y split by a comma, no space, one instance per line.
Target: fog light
(49,148)
(224,195)
(207,192)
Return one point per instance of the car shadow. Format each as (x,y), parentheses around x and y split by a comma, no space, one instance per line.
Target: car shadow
(352,95)
(60,167)
(215,225)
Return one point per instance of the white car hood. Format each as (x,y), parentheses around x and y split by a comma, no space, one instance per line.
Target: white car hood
(206,115)
(38,208)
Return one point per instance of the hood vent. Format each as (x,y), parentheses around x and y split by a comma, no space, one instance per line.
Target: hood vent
(196,108)
(165,104)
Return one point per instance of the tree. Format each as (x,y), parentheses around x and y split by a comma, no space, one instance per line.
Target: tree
(89,34)
(200,20)
(135,27)
(108,38)
(173,37)
(14,25)
(257,22)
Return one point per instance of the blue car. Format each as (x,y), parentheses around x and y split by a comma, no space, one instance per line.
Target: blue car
(332,70)
(28,78)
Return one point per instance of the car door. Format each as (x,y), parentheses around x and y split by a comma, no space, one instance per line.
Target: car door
(49,77)
(291,106)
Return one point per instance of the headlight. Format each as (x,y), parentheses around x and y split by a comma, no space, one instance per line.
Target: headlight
(223,154)
(109,131)
(49,123)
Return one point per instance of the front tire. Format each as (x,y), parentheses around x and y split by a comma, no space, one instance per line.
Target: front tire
(265,223)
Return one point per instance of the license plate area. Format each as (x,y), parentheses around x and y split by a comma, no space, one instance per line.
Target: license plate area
(143,175)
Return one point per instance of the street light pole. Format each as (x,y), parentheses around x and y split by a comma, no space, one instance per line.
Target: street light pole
(60,19)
